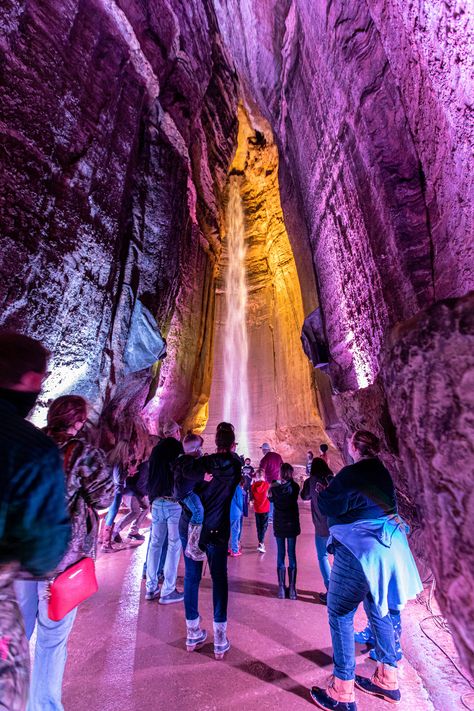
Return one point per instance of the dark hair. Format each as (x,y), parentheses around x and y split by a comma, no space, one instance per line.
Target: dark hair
(65,411)
(247,459)
(366,443)
(225,426)
(225,436)
(20,355)
(310,452)
(286,471)
(320,470)
(323,448)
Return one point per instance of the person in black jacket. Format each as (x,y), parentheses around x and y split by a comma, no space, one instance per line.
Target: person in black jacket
(286,526)
(165,512)
(320,476)
(216,496)
(34,523)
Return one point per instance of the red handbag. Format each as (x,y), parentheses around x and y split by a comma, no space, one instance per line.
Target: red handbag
(69,588)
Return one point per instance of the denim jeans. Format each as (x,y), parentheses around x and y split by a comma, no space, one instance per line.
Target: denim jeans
(323,558)
(348,587)
(235,534)
(165,517)
(136,516)
(164,551)
(270,513)
(194,504)
(217,559)
(114,506)
(261,520)
(51,645)
(282,543)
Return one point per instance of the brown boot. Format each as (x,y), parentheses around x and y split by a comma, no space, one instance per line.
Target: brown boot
(383,684)
(107,539)
(338,695)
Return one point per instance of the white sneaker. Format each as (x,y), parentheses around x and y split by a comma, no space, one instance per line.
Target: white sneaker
(261,548)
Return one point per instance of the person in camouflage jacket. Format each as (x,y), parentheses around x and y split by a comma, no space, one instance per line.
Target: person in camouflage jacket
(89,487)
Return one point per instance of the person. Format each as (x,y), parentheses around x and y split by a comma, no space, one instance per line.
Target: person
(320,476)
(324,452)
(165,513)
(270,465)
(366,636)
(309,461)
(372,564)
(185,479)
(216,496)
(248,471)
(284,493)
(236,518)
(89,487)
(34,523)
(118,459)
(136,488)
(261,505)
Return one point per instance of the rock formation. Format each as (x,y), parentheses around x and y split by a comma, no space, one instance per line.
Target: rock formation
(282,398)
(118,128)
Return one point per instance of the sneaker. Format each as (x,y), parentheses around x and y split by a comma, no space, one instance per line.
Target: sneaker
(174,596)
(261,548)
(152,594)
(135,537)
(161,579)
(235,555)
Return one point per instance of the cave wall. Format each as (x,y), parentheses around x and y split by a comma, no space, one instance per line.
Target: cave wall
(282,398)
(118,124)
(378,166)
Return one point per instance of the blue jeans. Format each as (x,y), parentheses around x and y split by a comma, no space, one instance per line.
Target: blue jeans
(164,551)
(235,534)
(51,645)
(194,504)
(217,559)
(165,517)
(114,506)
(348,587)
(282,543)
(323,558)
(270,513)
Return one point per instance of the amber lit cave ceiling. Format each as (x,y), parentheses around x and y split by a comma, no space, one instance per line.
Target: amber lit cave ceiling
(282,397)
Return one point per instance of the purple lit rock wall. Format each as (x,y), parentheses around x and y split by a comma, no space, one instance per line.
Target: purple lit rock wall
(371,104)
(118,124)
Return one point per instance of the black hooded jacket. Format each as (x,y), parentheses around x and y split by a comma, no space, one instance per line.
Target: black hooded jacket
(216,496)
(286,515)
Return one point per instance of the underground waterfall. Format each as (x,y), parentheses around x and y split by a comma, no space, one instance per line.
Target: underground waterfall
(236,350)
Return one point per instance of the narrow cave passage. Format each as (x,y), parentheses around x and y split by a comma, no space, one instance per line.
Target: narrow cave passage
(282,404)
(343,130)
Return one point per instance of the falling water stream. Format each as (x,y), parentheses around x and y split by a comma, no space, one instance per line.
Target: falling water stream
(236,393)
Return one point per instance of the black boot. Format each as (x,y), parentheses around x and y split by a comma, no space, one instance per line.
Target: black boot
(281,583)
(292,583)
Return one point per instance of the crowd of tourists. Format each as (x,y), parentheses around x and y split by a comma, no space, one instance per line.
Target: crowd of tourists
(55,481)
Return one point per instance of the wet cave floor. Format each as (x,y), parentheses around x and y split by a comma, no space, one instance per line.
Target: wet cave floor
(126,653)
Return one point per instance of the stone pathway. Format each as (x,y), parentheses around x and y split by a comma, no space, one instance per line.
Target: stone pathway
(126,654)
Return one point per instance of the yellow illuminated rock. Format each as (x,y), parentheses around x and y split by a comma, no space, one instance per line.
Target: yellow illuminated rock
(282,397)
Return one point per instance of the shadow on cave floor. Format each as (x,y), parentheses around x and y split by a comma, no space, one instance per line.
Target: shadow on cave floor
(132,652)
